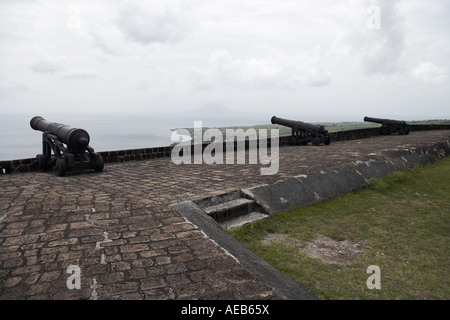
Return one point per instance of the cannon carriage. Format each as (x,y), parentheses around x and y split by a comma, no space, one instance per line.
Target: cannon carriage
(65,148)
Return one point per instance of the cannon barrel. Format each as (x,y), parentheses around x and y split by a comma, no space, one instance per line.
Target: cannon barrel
(299,125)
(383,121)
(76,139)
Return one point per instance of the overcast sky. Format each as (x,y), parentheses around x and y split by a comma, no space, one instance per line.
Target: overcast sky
(327,60)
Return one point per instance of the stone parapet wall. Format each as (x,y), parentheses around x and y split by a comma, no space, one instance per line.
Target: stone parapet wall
(25,165)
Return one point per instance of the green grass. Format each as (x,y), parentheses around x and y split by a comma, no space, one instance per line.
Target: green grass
(403,221)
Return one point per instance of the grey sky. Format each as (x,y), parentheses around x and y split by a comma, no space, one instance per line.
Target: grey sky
(320,59)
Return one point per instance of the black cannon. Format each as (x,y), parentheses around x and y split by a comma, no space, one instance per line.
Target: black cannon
(389,126)
(70,146)
(303,132)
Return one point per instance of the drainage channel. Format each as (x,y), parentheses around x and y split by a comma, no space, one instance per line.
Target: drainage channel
(232,210)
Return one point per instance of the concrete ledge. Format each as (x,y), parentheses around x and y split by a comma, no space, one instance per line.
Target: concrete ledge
(264,272)
(330,183)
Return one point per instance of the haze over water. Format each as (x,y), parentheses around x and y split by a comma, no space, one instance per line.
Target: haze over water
(110,132)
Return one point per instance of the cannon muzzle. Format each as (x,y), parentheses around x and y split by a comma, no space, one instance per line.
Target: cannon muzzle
(76,139)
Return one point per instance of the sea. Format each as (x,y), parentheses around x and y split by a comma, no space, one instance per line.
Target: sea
(111,132)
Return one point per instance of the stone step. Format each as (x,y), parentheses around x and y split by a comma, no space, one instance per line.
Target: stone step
(218,198)
(243,220)
(230,209)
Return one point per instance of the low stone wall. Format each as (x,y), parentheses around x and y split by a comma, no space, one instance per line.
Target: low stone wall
(354,134)
(332,182)
(25,165)
(20,165)
(428,127)
(136,154)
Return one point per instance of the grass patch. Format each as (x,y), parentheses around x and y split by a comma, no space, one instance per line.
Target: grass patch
(400,223)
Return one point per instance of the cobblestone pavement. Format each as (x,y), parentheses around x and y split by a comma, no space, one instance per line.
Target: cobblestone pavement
(119,228)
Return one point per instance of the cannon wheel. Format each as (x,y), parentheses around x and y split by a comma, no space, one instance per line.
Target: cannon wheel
(41,161)
(327,139)
(60,167)
(292,141)
(385,131)
(98,162)
(315,141)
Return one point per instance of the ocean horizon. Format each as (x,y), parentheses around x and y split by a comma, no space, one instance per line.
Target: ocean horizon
(107,132)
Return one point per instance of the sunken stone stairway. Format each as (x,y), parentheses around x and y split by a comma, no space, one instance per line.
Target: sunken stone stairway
(232,210)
